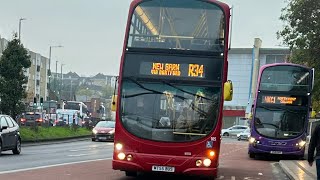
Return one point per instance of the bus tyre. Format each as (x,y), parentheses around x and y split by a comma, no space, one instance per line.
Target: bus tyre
(131,174)
(301,157)
(252,155)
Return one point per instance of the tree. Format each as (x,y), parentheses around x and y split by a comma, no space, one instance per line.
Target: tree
(107,92)
(13,61)
(301,33)
(84,91)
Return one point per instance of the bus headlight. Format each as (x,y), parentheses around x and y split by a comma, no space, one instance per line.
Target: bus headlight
(119,146)
(207,162)
(129,157)
(198,163)
(301,144)
(252,140)
(121,156)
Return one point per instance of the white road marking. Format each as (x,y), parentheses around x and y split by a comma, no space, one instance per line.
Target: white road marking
(75,150)
(77,155)
(233,178)
(260,174)
(54,165)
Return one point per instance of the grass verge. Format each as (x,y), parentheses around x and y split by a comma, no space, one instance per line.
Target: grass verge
(51,133)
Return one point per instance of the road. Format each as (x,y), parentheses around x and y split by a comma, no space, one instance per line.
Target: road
(48,155)
(57,161)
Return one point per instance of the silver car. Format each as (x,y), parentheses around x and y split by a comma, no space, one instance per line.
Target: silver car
(234,130)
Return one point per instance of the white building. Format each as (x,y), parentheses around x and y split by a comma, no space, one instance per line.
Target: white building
(239,72)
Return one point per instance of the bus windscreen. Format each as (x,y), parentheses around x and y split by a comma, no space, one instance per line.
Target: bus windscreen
(183,25)
(169,112)
(285,78)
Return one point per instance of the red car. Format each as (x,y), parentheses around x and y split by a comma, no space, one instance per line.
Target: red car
(103,131)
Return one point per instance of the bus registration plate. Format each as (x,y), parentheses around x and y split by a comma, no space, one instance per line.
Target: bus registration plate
(163,168)
(275,152)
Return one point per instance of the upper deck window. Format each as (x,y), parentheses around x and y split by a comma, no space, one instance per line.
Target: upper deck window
(285,78)
(175,24)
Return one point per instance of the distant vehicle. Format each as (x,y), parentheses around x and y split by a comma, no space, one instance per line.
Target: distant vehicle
(54,118)
(244,135)
(76,105)
(9,135)
(280,112)
(234,130)
(33,118)
(103,131)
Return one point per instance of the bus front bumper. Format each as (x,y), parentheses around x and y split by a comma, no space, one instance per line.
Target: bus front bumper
(192,171)
(262,149)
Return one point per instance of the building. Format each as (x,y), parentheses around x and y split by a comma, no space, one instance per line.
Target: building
(240,73)
(37,75)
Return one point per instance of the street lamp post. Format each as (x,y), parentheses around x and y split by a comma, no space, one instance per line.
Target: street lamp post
(21,19)
(50,63)
(61,81)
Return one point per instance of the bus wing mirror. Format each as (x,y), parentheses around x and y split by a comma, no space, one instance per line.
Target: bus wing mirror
(228,91)
(114,103)
(313,114)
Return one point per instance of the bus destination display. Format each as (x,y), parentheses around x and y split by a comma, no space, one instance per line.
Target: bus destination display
(281,100)
(172,69)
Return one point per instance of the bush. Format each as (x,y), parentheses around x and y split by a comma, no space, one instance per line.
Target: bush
(42,133)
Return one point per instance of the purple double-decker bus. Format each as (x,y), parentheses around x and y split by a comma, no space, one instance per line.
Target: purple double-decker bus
(280,111)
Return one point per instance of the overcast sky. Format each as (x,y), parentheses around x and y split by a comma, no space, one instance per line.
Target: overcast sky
(92,31)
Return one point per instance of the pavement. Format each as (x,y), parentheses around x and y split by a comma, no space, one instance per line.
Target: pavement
(299,169)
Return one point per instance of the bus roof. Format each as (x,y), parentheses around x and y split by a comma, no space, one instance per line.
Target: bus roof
(222,4)
(282,64)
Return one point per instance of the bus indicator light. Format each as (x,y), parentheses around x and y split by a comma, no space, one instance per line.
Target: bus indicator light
(211,153)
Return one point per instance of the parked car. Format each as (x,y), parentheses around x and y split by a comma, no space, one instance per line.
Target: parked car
(234,130)
(244,135)
(103,131)
(9,135)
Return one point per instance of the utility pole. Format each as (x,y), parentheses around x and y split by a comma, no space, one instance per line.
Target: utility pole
(50,62)
(56,78)
(21,19)
(70,89)
(61,82)
(254,75)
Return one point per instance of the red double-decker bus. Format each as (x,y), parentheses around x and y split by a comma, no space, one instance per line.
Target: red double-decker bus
(172,85)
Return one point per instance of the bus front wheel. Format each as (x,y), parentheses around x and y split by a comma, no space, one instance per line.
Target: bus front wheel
(252,155)
(131,174)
